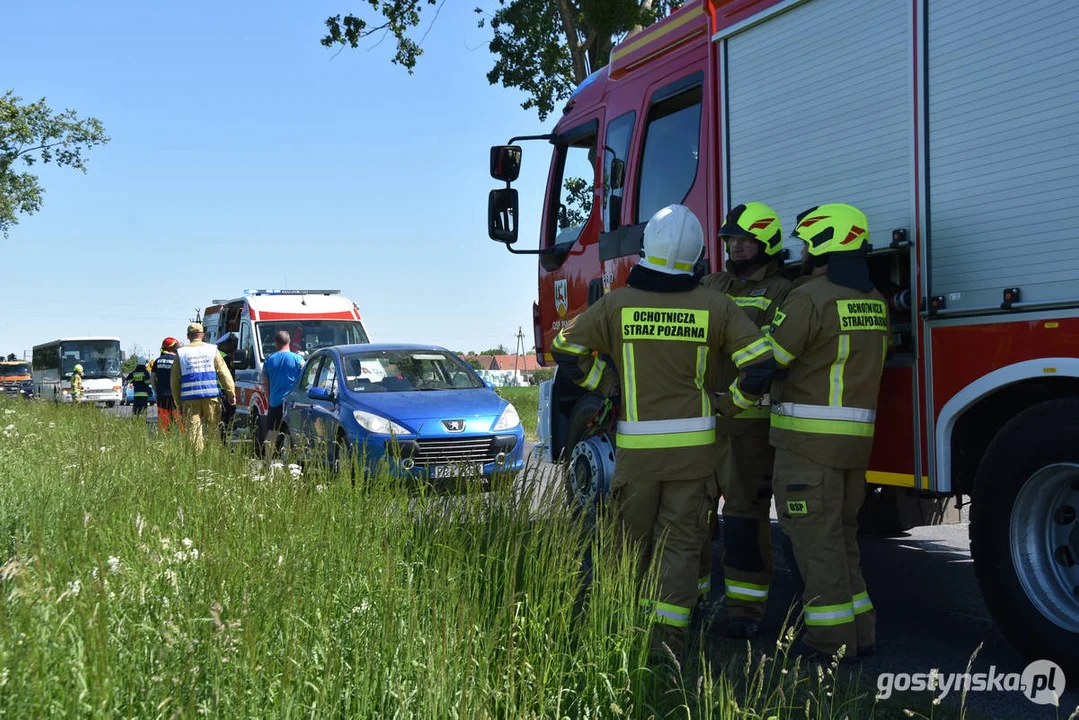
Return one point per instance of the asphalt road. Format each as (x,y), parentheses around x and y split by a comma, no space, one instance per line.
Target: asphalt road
(930,614)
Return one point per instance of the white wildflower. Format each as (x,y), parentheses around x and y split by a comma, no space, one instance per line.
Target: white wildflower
(194,553)
(258,478)
(164,601)
(114,564)
(93,573)
(187,542)
(10,427)
(180,556)
(280,559)
(74,587)
(166,544)
(52,424)
(102,448)
(170,575)
(320,488)
(9,412)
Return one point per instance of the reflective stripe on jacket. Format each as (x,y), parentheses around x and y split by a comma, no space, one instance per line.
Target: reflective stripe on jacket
(198,376)
(759,296)
(665,346)
(835,341)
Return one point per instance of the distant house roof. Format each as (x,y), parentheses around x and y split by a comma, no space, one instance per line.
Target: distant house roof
(483,360)
(524,363)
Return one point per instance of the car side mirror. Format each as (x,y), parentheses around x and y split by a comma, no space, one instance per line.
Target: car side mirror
(320,393)
(505,162)
(241,360)
(502,215)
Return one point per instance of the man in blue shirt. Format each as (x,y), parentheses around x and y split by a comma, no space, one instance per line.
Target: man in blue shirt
(279,374)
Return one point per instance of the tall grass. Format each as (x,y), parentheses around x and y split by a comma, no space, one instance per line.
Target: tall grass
(139,580)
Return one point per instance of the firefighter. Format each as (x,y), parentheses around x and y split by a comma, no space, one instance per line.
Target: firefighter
(664,333)
(201,368)
(76,384)
(167,413)
(832,335)
(753,237)
(140,378)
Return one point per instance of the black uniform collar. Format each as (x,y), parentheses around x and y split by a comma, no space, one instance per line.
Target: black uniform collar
(650,280)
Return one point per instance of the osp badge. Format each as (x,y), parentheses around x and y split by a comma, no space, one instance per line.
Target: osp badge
(561,300)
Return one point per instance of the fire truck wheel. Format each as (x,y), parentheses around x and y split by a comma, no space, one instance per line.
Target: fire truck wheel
(585,409)
(1024,532)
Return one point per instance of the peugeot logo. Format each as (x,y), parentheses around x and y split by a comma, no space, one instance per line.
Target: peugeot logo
(454,425)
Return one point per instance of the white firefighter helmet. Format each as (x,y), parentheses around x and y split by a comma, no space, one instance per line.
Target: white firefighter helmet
(673,241)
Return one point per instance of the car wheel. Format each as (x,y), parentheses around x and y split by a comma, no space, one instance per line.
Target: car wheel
(578,488)
(344,459)
(1024,532)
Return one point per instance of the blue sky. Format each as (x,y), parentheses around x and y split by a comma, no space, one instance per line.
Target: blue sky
(244,154)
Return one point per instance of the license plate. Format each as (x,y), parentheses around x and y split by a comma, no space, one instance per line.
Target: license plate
(457,471)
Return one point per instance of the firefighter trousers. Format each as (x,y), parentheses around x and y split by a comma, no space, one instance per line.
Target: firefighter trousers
(745,479)
(200,418)
(818,510)
(667,519)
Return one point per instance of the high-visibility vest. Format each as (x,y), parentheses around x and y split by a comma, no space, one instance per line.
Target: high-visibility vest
(198,377)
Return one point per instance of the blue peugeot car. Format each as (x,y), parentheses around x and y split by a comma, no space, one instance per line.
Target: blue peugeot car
(417,411)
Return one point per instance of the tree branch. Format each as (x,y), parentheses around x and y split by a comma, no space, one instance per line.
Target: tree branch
(576,53)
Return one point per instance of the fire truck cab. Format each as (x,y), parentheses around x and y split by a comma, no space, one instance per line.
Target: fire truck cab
(244,328)
(952,126)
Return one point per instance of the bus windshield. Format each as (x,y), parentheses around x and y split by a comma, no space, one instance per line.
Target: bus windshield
(99,358)
(308,336)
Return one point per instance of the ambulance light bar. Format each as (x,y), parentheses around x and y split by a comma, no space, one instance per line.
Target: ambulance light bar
(291,292)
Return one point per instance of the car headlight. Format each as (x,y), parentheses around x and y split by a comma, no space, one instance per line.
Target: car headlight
(378,424)
(509,419)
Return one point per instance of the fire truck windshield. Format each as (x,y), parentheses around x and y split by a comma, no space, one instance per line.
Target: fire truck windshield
(14,369)
(310,335)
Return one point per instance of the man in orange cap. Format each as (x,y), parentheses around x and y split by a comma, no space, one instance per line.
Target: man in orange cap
(167,413)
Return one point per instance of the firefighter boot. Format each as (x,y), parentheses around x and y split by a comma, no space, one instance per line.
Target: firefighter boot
(811,503)
(668,520)
(747,539)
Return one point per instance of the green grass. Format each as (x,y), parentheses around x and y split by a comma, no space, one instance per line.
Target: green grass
(139,580)
(526,400)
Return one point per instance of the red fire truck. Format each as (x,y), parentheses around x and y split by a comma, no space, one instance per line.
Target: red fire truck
(952,125)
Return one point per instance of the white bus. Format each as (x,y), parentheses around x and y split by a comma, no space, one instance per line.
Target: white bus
(100,357)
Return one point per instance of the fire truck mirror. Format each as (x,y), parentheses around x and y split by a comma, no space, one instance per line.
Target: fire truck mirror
(505,162)
(502,215)
(618,174)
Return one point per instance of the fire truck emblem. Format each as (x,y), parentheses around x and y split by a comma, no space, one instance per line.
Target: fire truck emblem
(561,302)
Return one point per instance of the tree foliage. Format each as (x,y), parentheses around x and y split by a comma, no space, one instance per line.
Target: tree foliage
(542,47)
(30,133)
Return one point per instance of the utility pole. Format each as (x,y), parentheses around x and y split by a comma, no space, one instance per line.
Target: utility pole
(519,351)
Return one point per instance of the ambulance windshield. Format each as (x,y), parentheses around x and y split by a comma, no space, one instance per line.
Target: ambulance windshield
(308,336)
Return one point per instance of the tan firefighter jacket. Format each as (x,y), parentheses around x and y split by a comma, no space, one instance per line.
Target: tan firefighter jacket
(759,296)
(665,346)
(834,340)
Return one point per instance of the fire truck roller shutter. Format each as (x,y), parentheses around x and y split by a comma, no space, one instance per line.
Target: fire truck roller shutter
(819,108)
(1003,102)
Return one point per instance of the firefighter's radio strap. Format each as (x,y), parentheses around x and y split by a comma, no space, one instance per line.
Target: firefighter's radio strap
(603,422)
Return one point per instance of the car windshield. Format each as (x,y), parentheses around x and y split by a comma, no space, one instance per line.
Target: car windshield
(14,369)
(307,336)
(99,358)
(407,371)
